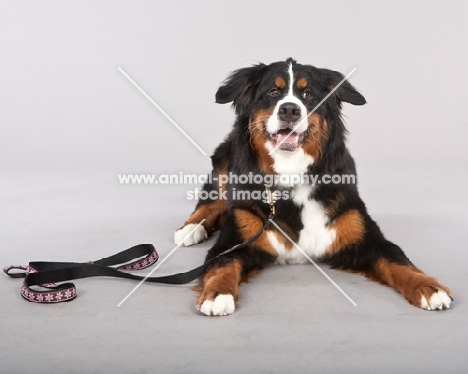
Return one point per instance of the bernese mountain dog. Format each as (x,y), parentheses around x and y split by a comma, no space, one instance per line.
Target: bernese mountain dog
(284,144)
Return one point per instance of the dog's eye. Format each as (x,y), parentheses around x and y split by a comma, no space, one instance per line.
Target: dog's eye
(307,95)
(273,92)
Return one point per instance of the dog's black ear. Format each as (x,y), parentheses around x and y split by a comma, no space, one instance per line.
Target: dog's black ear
(346,92)
(238,87)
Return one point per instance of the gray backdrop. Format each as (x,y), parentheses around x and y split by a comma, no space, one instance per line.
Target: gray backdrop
(71,122)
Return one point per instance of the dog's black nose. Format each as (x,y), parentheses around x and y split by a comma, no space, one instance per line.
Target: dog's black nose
(289,112)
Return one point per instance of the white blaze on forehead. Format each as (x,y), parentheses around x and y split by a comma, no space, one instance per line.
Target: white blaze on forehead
(290,98)
(273,124)
(291,79)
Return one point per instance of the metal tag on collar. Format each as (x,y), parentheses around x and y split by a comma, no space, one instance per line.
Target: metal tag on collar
(270,199)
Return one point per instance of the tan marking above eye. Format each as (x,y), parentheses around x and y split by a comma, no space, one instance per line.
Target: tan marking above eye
(280,82)
(301,83)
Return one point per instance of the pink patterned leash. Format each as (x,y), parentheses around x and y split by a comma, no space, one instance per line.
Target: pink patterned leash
(67,291)
(47,274)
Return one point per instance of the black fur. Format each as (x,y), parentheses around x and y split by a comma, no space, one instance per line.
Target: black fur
(243,88)
(247,90)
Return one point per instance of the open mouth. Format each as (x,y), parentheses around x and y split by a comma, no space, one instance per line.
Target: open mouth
(287,139)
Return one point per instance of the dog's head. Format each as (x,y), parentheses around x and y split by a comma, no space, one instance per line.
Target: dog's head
(288,107)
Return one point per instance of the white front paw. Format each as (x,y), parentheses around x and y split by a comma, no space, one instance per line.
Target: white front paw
(187,236)
(438,300)
(222,305)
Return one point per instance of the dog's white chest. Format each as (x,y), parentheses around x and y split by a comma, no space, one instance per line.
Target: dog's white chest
(314,238)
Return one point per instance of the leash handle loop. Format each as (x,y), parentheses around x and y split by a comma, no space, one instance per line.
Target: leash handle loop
(46,274)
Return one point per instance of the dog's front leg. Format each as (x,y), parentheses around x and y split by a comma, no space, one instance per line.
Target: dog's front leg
(418,288)
(219,288)
(210,211)
(361,247)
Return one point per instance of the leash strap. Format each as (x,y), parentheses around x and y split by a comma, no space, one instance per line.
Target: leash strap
(47,274)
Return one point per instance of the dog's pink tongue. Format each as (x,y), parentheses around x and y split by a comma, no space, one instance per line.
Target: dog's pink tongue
(285,139)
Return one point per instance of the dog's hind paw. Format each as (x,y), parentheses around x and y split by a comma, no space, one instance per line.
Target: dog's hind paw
(187,236)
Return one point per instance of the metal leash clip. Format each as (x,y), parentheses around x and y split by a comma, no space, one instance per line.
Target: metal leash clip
(271,200)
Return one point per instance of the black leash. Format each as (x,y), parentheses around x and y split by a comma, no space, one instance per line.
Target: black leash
(46,274)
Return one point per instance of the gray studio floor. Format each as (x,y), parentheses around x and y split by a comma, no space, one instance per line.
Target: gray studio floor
(291,319)
(71,121)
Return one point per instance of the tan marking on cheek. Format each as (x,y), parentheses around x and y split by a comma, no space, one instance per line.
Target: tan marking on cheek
(349,228)
(301,83)
(280,82)
(318,132)
(258,139)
